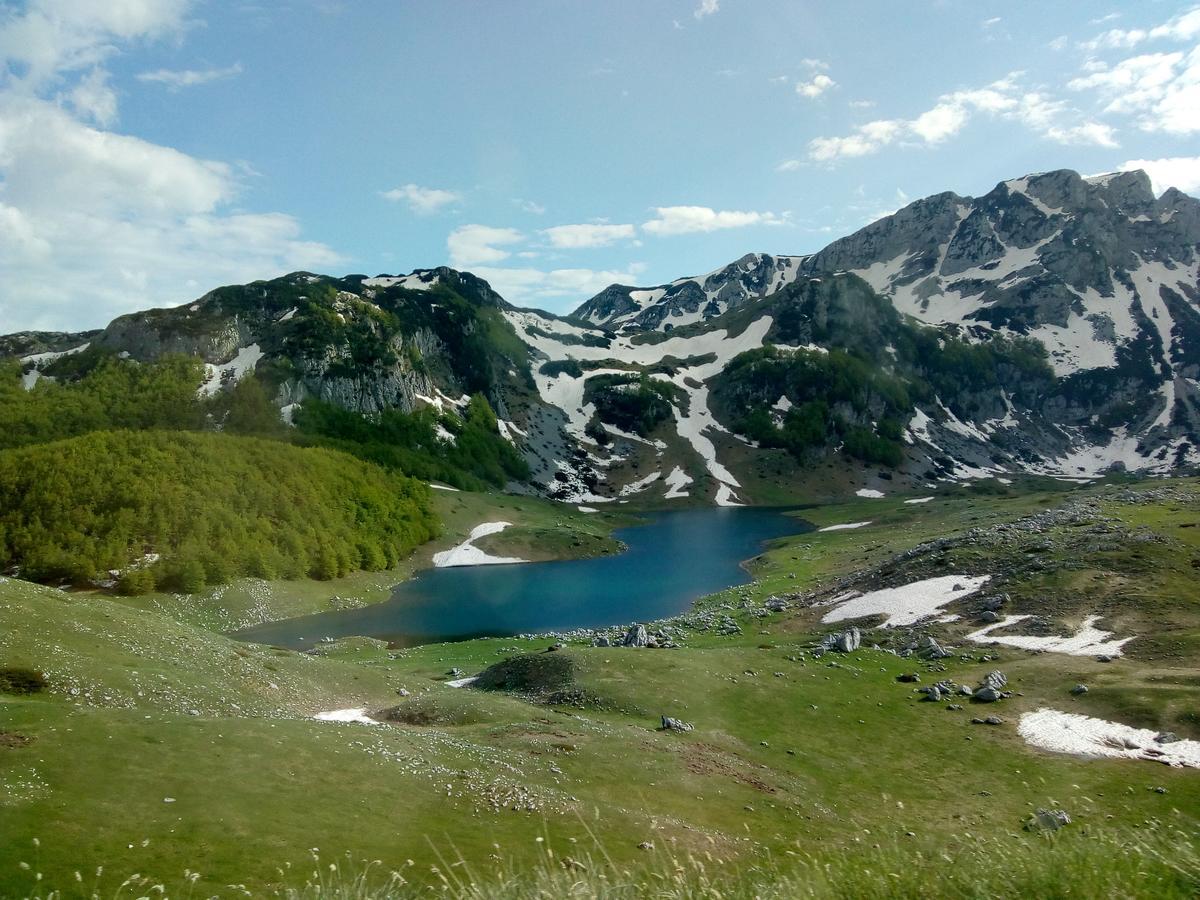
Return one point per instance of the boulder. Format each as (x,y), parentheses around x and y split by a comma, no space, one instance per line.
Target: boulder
(995,679)
(929,648)
(1166,737)
(987,695)
(601,641)
(1048,820)
(1079,689)
(636,637)
(671,724)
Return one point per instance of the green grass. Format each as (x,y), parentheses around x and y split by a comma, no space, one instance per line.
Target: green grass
(466,782)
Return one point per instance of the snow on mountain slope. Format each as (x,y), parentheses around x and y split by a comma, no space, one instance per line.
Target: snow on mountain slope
(689,300)
(701,357)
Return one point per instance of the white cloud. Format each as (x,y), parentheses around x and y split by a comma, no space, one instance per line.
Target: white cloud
(812,63)
(92,223)
(51,37)
(672,220)
(561,288)
(174,79)
(93,99)
(1182,172)
(530,206)
(574,237)
(1004,99)
(993,21)
(706,8)
(422,200)
(470,245)
(1183,27)
(815,87)
(1161,89)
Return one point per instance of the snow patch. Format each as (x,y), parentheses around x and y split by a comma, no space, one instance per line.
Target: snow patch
(1087,641)
(1062,732)
(845,526)
(676,482)
(358,714)
(909,604)
(230,373)
(467,554)
(919,500)
(869,492)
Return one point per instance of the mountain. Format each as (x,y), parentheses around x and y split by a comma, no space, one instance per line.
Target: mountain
(688,300)
(1051,326)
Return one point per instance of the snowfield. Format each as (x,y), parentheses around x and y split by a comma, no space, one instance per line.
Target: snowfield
(1087,641)
(906,605)
(1061,732)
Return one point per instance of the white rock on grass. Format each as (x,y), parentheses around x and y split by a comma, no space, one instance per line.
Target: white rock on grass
(1062,732)
(910,603)
(467,554)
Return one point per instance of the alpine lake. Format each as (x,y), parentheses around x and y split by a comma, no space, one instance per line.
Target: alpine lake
(669,562)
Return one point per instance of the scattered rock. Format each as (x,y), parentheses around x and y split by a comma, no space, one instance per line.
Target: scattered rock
(987,695)
(1166,737)
(909,677)
(646,845)
(994,720)
(1079,689)
(601,641)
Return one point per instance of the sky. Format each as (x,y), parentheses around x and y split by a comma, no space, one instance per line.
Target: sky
(151,150)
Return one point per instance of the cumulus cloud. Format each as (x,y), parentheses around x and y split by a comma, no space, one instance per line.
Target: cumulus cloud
(1183,27)
(1181,172)
(93,223)
(176,79)
(422,200)
(706,8)
(673,220)
(574,237)
(815,86)
(1161,89)
(470,245)
(1004,99)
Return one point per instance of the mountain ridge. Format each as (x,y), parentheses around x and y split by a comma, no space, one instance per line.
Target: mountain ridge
(613,400)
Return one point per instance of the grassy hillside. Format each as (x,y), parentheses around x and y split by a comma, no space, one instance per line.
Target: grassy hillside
(182,510)
(161,749)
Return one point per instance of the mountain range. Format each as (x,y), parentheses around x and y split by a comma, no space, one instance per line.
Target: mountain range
(1051,326)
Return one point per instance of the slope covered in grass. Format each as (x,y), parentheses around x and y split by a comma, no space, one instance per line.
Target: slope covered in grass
(182,510)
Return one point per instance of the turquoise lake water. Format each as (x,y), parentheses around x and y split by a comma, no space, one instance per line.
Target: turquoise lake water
(670,562)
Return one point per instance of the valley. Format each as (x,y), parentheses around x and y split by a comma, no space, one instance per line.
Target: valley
(771,582)
(163,748)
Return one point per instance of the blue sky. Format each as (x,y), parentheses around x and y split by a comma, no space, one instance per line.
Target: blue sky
(153,149)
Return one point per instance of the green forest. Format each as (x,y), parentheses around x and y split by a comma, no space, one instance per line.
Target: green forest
(179,511)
